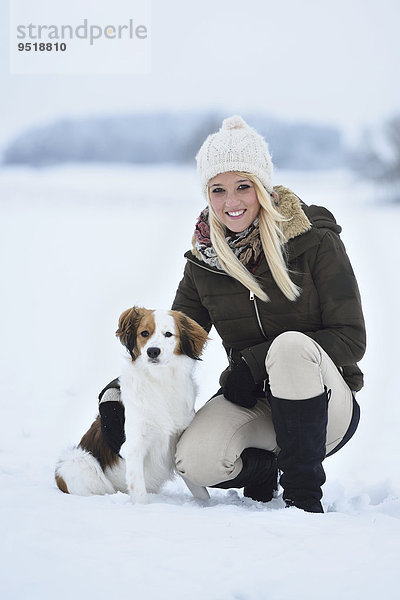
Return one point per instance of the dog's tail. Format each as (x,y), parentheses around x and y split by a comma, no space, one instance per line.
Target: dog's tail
(79,472)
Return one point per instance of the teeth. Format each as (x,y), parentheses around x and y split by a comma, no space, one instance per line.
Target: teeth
(236,213)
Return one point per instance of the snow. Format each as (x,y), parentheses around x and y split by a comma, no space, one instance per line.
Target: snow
(78,246)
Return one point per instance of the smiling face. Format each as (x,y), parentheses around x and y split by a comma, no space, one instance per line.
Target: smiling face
(234,200)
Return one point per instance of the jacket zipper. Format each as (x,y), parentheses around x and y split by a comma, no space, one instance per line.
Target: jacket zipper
(253,299)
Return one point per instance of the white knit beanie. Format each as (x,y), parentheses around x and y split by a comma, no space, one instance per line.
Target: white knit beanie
(235,147)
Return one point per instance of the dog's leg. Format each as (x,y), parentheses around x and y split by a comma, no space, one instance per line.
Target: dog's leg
(134,454)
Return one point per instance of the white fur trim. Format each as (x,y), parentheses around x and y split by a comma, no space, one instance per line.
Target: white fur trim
(111,395)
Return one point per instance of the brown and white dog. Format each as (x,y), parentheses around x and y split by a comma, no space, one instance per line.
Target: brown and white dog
(158,393)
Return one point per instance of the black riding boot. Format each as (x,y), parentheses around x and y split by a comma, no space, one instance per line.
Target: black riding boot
(259,475)
(300,427)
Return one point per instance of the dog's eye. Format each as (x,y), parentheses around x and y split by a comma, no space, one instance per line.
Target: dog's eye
(144,333)
(168,334)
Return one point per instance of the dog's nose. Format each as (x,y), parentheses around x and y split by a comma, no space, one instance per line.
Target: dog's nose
(153,352)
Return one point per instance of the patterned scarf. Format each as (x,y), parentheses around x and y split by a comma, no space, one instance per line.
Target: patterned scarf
(246,245)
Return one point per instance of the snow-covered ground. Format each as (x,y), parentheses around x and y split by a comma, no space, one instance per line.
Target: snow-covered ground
(78,246)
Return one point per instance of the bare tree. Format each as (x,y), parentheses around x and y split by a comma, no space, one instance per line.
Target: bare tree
(391,167)
(379,159)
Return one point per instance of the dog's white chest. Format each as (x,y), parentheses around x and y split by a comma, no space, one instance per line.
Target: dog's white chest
(159,405)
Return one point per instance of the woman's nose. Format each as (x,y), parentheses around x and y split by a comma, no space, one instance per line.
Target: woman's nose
(230,199)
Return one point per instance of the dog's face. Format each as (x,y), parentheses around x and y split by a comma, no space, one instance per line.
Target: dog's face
(157,335)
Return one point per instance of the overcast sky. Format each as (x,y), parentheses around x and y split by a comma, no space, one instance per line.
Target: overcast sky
(334,61)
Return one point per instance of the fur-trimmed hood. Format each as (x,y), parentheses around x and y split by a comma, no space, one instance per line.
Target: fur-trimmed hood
(290,207)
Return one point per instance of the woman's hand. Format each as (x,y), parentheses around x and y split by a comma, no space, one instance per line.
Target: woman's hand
(240,387)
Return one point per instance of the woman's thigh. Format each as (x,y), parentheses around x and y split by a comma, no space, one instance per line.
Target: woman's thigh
(208,452)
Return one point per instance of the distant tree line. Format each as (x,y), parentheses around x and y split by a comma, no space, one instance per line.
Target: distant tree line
(168,138)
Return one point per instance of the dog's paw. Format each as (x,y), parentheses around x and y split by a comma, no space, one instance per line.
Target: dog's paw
(136,490)
(138,498)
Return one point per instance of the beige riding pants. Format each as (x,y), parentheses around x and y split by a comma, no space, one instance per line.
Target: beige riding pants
(209,450)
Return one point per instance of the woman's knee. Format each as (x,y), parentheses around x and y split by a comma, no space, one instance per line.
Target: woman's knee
(204,463)
(293,364)
(291,345)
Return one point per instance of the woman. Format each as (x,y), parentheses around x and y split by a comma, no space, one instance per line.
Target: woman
(273,277)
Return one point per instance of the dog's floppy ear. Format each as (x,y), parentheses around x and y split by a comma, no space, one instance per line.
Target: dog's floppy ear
(127,328)
(192,336)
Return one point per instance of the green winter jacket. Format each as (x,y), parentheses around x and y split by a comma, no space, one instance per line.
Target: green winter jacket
(328,309)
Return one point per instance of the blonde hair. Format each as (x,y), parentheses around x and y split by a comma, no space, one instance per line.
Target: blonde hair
(272,240)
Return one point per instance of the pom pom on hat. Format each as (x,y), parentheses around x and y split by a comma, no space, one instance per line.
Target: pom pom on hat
(235,122)
(235,147)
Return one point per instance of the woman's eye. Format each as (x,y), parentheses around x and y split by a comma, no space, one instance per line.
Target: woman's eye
(168,334)
(243,186)
(217,190)
(144,333)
